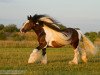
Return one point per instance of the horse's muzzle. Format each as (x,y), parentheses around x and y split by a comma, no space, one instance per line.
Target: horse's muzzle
(23,31)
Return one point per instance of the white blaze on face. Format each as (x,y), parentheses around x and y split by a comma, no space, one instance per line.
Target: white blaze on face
(24,25)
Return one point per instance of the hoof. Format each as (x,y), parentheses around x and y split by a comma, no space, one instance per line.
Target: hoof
(73,63)
(34,56)
(44,62)
(31,62)
(84,60)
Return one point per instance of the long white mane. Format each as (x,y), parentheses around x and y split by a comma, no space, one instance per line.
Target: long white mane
(50,20)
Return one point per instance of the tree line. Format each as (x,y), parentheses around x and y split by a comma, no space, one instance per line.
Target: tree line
(11,32)
(8,32)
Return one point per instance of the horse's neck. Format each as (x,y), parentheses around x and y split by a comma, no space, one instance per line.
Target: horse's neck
(39,31)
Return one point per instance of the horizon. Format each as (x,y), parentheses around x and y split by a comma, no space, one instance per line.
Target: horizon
(76,14)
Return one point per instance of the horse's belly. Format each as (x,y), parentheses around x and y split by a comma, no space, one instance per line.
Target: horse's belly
(59,41)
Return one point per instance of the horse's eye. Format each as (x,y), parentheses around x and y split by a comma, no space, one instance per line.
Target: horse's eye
(37,23)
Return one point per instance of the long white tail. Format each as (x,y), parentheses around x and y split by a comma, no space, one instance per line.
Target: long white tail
(87,44)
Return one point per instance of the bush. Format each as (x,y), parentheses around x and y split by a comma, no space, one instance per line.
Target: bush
(2,35)
(17,37)
(1,26)
(92,36)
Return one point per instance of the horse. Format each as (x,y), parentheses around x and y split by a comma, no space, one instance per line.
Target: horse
(51,33)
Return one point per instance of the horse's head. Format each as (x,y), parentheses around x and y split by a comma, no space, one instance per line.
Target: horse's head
(37,22)
(27,25)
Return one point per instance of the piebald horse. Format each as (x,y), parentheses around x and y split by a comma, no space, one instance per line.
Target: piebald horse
(51,34)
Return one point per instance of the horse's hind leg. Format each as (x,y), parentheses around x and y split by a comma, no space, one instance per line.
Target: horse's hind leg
(83,56)
(44,56)
(76,52)
(76,57)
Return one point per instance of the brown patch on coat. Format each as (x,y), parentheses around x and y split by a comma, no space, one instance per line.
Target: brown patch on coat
(56,45)
(74,38)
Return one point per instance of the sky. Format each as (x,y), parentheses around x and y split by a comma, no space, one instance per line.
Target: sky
(83,14)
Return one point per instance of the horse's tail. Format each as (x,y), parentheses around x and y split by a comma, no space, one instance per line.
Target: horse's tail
(87,45)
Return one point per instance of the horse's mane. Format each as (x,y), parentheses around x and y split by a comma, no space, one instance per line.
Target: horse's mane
(49,21)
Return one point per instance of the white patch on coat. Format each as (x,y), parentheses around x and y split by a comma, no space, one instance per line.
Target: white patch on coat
(52,35)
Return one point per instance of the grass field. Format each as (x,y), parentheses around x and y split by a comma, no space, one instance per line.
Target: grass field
(15,59)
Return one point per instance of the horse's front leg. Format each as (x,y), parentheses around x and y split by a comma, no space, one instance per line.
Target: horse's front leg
(44,56)
(34,56)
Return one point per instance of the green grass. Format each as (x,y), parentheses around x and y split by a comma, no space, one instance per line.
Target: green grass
(58,58)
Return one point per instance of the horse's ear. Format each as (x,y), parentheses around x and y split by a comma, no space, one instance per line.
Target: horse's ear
(29,17)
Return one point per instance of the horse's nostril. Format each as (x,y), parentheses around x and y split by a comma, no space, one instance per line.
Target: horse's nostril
(21,31)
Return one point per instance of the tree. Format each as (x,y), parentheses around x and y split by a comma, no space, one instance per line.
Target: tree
(10,28)
(1,26)
(92,36)
(99,34)
(87,33)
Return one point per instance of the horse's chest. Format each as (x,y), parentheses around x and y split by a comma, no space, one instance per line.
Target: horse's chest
(49,35)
